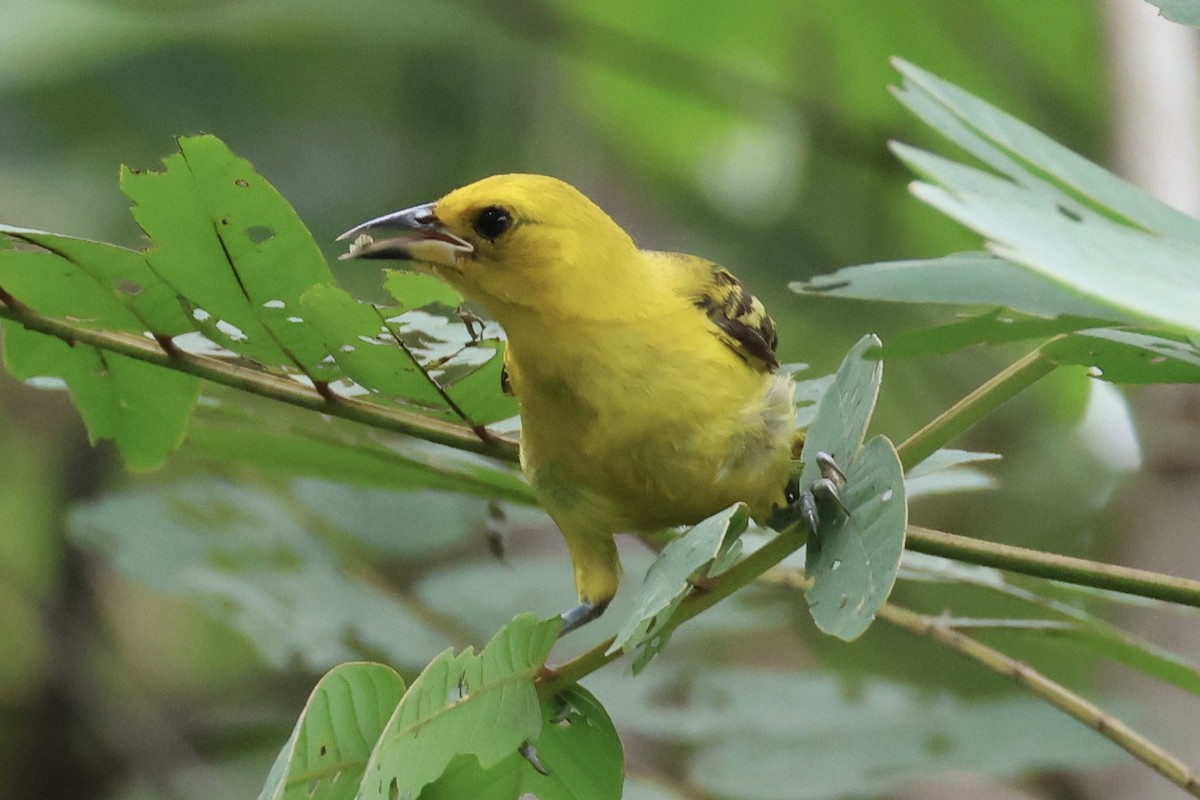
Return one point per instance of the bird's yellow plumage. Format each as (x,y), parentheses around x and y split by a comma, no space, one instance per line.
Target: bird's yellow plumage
(647,381)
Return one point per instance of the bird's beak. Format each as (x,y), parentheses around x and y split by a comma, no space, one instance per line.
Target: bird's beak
(414,234)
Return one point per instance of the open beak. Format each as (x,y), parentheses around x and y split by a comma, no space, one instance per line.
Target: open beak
(414,234)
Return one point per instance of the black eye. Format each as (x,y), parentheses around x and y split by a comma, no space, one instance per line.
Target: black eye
(492,222)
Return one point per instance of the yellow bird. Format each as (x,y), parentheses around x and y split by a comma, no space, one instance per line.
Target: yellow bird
(648,383)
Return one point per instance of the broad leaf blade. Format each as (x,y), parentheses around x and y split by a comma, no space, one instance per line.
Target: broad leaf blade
(325,756)
(483,706)
(578,747)
(844,411)
(143,408)
(854,559)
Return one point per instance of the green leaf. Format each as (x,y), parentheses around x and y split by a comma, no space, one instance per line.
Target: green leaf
(845,410)
(1055,213)
(998,326)
(52,285)
(578,746)
(325,756)
(125,275)
(947,471)
(356,335)
(251,560)
(1185,12)
(668,581)
(143,408)
(968,279)
(414,290)
(854,559)
(1040,166)
(1129,356)
(477,394)
(228,244)
(372,346)
(482,705)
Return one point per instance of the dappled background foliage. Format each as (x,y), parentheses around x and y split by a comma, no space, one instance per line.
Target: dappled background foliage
(754,134)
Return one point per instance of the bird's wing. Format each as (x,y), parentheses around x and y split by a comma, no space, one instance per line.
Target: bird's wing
(740,319)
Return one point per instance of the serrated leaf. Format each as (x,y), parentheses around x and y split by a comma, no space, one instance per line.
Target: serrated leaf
(228,244)
(325,756)
(854,559)
(143,408)
(357,337)
(53,286)
(711,542)
(123,274)
(477,394)
(369,344)
(484,706)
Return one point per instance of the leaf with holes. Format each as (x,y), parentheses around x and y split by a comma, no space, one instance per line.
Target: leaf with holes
(854,559)
(578,747)
(484,706)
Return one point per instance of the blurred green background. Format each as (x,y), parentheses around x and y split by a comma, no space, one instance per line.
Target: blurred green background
(753,133)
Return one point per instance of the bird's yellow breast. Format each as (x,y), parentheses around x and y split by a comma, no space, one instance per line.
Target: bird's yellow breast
(650,421)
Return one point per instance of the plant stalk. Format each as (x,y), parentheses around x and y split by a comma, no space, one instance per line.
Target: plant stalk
(975,406)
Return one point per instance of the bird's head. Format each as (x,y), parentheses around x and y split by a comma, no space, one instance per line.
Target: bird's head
(514,243)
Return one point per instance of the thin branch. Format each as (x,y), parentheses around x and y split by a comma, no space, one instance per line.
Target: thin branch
(1057,695)
(974,407)
(275,387)
(1055,567)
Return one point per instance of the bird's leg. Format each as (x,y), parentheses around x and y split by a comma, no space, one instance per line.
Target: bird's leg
(827,488)
(579,615)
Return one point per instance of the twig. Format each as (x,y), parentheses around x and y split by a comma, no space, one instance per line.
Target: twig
(1057,695)
(266,384)
(974,407)
(1055,567)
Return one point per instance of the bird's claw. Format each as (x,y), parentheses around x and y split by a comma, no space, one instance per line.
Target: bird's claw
(529,752)
(825,489)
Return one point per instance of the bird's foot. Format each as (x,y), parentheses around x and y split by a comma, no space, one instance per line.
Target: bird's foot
(528,751)
(826,489)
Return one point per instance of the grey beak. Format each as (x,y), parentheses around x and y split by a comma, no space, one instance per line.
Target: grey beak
(399,235)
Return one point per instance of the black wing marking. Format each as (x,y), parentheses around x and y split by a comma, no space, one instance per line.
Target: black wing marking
(741,318)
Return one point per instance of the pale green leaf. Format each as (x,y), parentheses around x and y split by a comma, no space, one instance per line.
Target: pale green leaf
(711,542)
(854,558)
(482,705)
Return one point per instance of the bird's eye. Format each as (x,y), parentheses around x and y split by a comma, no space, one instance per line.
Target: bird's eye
(492,222)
